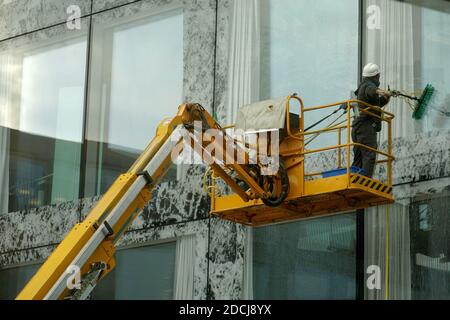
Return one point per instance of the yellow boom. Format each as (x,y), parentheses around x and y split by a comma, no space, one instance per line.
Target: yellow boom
(90,245)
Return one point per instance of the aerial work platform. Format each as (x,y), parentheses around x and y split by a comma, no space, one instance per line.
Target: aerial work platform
(256,196)
(314,194)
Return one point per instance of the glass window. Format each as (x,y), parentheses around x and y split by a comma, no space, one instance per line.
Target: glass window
(419,245)
(430,247)
(312,259)
(41,92)
(141,273)
(136,82)
(302,51)
(13,280)
(310,48)
(434,69)
(410,43)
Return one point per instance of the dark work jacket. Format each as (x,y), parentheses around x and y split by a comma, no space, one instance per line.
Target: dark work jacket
(367,92)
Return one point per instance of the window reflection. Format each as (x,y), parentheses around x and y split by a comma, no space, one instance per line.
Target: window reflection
(13,280)
(141,273)
(306,260)
(434,68)
(411,46)
(136,82)
(41,93)
(430,247)
(302,51)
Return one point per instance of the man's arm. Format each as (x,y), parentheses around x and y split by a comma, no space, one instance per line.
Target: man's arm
(384,99)
(383,93)
(376,93)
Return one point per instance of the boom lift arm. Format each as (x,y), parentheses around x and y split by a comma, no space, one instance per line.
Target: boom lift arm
(90,246)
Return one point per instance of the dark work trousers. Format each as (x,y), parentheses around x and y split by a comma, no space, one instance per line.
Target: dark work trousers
(364,132)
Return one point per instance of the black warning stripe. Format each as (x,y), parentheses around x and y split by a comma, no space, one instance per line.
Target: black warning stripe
(366,182)
(355,179)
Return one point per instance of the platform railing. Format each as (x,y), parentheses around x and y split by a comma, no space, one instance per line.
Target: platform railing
(373,111)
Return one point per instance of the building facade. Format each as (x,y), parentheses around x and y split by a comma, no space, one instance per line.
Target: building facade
(84,84)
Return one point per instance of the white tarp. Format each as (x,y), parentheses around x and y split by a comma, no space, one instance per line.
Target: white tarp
(264,115)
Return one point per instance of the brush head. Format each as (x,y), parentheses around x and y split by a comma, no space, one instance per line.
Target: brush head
(423,102)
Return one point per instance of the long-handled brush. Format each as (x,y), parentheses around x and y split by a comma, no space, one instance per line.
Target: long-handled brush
(421,104)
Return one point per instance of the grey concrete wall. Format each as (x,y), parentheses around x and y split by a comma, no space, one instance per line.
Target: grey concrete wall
(22,16)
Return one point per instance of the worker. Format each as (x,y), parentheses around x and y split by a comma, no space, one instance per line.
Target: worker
(365,127)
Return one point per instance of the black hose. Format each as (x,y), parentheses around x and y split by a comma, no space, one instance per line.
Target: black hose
(323,119)
(275,201)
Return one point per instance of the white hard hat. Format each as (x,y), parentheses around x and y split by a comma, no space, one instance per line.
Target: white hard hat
(371,70)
